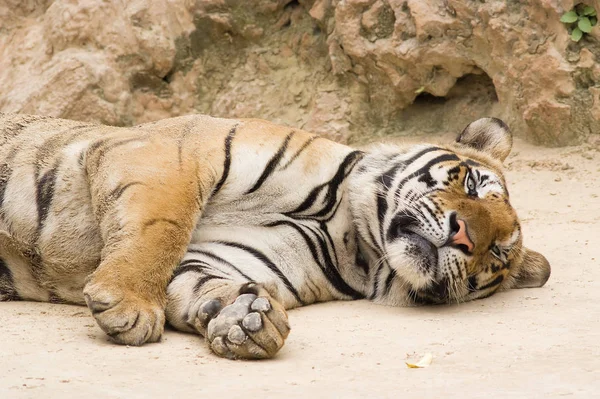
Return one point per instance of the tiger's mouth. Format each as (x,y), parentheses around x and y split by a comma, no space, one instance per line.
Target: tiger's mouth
(425,256)
(420,248)
(436,294)
(423,252)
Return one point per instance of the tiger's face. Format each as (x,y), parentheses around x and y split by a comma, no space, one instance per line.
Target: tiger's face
(444,229)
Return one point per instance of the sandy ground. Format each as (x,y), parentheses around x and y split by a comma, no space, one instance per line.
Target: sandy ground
(533,343)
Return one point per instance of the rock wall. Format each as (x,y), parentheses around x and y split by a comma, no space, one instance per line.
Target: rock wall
(350,69)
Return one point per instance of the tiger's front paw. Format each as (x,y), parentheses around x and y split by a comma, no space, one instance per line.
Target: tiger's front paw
(253,327)
(126,318)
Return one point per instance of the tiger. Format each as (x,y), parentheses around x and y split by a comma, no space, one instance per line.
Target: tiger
(219,226)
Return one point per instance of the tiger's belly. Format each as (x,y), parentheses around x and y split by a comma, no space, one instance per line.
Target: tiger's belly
(52,240)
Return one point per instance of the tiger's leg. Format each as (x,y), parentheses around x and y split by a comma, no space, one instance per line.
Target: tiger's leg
(239,319)
(17,278)
(146,212)
(8,290)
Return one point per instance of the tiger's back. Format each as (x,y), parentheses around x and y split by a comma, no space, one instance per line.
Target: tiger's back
(50,233)
(52,237)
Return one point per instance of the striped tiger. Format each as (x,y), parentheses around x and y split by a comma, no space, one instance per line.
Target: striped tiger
(218,226)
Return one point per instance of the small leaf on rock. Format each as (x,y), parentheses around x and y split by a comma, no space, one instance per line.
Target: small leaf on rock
(593,21)
(585,25)
(420,90)
(589,11)
(576,35)
(569,17)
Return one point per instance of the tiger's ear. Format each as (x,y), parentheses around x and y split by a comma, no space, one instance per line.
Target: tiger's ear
(489,135)
(534,270)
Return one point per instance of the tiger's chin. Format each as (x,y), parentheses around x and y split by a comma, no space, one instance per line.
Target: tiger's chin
(416,261)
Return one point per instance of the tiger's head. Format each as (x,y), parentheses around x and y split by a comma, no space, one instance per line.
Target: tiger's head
(435,222)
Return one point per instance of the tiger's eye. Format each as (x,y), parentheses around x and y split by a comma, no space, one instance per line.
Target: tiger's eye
(496,251)
(471,185)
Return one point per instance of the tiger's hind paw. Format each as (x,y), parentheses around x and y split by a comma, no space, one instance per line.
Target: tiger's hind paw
(252,327)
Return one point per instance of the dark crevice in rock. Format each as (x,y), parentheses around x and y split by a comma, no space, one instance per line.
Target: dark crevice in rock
(150,83)
(472,97)
(427,100)
(292,4)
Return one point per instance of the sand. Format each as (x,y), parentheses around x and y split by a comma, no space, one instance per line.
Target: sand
(531,343)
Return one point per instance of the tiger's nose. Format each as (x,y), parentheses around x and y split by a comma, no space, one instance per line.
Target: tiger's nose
(459,237)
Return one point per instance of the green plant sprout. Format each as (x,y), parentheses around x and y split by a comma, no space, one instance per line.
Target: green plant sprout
(580,20)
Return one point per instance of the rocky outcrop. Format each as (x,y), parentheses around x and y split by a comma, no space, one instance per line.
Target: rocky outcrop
(350,69)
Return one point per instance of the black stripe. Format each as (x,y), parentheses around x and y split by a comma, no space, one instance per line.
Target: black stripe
(115,194)
(5,173)
(194,262)
(8,291)
(425,170)
(14,124)
(219,259)
(196,266)
(297,154)
(382,208)
(56,142)
(51,148)
(386,180)
(471,162)
(331,186)
(376,244)
(12,129)
(203,280)
(227,164)
(421,153)
(389,281)
(181,139)
(334,211)
(360,260)
(496,281)
(105,145)
(45,194)
(272,164)
(96,145)
(264,259)
(376,281)
(100,148)
(48,149)
(325,232)
(180,152)
(388,176)
(329,269)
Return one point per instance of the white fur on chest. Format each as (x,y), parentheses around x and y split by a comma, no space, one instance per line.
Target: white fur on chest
(302,249)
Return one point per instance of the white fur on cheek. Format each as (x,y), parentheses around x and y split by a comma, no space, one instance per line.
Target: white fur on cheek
(409,267)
